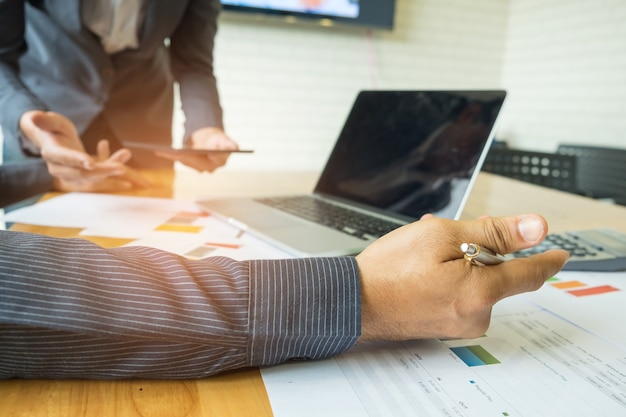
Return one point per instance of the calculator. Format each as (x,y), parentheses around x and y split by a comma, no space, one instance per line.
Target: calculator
(590,250)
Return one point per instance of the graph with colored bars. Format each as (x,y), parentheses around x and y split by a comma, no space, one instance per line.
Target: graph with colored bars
(196,234)
(474,355)
(539,358)
(580,289)
(184,222)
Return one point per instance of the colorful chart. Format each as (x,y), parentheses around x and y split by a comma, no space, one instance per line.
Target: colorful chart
(182,222)
(580,289)
(474,355)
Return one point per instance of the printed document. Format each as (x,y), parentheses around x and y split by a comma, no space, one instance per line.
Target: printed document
(550,353)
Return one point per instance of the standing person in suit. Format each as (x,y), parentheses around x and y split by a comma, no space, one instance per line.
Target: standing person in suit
(78,78)
(71,309)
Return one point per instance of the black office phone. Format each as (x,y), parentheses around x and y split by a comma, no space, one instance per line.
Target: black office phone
(590,250)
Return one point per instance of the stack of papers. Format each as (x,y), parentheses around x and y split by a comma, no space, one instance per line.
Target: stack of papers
(176,226)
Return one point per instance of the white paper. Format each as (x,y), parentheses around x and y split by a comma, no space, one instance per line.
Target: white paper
(217,238)
(549,353)
(603,314)
(102,214)
(176,226)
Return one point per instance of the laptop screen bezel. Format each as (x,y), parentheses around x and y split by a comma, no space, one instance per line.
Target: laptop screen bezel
(372,95)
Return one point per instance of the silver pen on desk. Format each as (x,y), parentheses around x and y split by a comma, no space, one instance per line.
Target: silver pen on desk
(478,255)
(239,225)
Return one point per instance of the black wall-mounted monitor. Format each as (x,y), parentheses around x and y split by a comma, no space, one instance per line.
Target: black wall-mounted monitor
(377,14)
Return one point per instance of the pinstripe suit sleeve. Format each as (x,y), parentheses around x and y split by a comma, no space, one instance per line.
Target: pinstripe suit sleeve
(71,309)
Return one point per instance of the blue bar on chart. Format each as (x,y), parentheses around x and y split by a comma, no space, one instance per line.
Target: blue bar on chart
(474,355)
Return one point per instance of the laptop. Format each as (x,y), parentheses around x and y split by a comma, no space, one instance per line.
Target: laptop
(400,154)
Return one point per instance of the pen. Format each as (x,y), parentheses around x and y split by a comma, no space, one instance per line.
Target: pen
(478,255)
(237,224)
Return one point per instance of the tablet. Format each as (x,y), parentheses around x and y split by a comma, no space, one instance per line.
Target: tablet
(181,151)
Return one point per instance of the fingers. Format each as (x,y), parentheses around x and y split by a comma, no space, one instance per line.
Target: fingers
(106,177)
(218,160)
(56,137)
(67,161)
(121,156)
(77,171)
(52,122)
(66,157)
(416,283)
(209,138)
(505,234)
(62,163)
(103,150)
(202,163)
(99,172)
(523,275)
(212,138)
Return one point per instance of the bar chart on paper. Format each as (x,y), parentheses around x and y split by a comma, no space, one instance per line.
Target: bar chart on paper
(474,355)
(532,362)
(176,226)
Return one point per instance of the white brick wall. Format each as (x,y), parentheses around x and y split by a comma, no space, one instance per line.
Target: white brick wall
(286,89)
(565,69)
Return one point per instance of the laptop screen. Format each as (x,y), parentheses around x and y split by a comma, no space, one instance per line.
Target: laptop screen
(411,152)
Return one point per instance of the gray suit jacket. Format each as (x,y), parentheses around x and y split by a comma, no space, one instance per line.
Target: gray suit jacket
(50,61)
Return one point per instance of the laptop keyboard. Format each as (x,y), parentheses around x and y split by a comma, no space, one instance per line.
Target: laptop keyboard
(339,218)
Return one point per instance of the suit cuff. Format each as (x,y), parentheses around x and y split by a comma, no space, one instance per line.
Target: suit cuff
(303,309)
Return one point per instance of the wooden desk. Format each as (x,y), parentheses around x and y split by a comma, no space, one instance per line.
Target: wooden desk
(242,393)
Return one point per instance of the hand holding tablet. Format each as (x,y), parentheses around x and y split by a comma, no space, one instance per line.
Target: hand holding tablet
(181,151)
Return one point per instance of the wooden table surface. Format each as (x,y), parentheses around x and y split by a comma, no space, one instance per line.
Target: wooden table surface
(242,393)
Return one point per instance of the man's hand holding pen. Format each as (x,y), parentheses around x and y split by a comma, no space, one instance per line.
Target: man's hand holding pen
(480,256)
(416,283)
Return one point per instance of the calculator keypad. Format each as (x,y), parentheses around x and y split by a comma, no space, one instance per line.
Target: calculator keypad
(571,243)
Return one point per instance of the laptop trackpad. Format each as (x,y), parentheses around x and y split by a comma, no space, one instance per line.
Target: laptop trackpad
(294,235)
